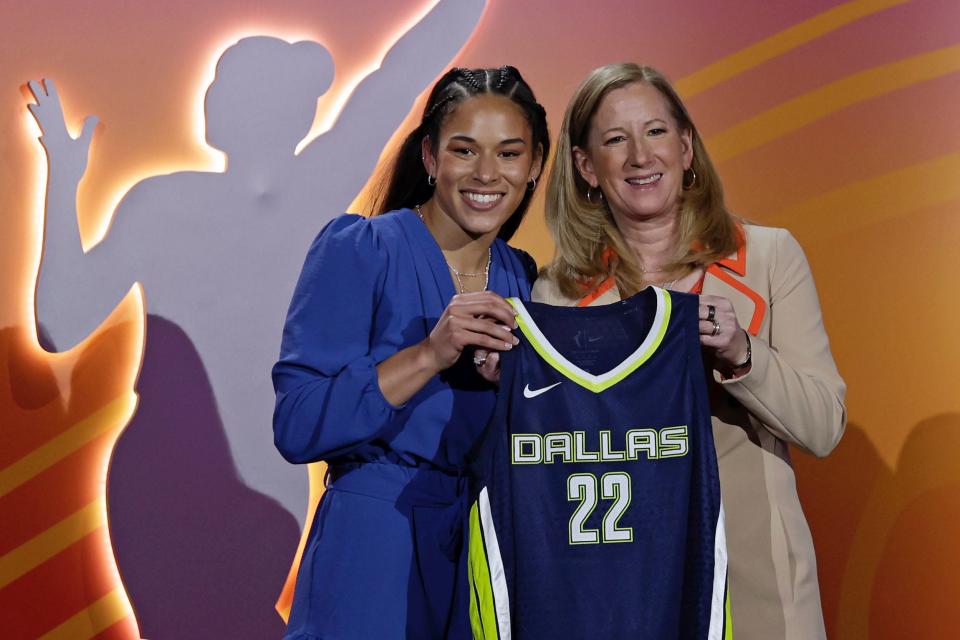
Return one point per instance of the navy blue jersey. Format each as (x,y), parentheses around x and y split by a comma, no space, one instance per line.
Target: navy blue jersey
(597,508)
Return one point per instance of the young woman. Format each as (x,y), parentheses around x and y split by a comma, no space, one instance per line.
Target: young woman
(377,373)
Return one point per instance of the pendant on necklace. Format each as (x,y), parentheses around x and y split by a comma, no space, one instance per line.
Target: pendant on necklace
(460,275)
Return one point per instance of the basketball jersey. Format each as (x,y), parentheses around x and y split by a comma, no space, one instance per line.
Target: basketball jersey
(597,510)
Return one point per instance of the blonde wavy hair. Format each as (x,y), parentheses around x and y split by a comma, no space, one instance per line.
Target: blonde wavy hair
(589,246)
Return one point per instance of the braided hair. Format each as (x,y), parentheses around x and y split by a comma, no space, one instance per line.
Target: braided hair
(405,185)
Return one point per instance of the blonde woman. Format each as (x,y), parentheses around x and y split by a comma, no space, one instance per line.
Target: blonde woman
(632,200)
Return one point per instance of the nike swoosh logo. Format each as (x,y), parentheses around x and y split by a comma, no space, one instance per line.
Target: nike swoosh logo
(530,393)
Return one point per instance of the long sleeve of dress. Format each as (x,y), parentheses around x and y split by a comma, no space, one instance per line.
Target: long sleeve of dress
(328,400)
(793,387)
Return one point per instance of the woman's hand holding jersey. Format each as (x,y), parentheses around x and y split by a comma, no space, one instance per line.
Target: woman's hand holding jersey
(483,319)
(720,331)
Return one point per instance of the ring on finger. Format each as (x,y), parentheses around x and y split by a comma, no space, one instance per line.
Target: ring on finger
(479,359)
(716,328)
(711,313)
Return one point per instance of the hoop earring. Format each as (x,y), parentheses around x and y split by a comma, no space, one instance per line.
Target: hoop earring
(532,184)
(693,179)
(599,201)
(431,180)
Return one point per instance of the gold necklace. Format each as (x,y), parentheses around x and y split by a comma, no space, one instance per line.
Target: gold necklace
(460,275)
(645,270)
(668,285)
(485,274)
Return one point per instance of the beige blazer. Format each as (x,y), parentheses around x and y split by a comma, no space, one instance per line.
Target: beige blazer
(793,394)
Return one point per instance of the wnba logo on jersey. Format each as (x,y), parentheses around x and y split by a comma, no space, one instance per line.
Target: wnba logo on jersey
(569,447)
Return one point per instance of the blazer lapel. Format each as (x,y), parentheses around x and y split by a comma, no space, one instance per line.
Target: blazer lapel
(727,278)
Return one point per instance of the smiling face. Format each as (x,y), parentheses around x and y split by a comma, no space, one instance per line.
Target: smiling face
(635,154)
(482,162)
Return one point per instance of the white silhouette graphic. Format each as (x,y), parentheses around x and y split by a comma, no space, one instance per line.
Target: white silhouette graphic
(219,253)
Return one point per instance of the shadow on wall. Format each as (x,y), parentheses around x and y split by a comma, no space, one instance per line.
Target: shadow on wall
(177,536)
(887,556)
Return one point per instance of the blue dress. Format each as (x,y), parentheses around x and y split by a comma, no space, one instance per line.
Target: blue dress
(383,559)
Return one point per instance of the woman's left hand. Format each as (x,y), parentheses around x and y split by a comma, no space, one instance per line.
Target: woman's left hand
(721,331)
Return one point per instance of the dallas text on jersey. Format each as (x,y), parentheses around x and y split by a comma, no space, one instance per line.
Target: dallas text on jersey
(570,447)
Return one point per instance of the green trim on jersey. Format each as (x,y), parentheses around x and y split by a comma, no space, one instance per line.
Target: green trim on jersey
(597,383)
(482,614)
(489,597)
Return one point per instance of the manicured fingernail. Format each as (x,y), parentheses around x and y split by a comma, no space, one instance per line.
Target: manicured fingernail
(506,328)
(508,345)
(516,341)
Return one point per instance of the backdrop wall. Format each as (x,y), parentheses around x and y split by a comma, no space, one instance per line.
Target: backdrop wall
(134,387)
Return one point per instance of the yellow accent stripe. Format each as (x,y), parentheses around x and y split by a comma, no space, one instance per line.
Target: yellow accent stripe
(875,199)
(112,416)
(476,621)
(483,616)
(810,107)
(728,630)
(49,543)
(779,44)
(105,612)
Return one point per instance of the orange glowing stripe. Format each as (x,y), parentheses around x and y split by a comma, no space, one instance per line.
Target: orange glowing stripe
(58,588)
(102,614)
(779,44)
(109,418)
(810,107)
(876,199)
(49,543)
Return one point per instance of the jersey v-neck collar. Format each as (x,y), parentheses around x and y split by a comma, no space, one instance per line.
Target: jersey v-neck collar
(593,382)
